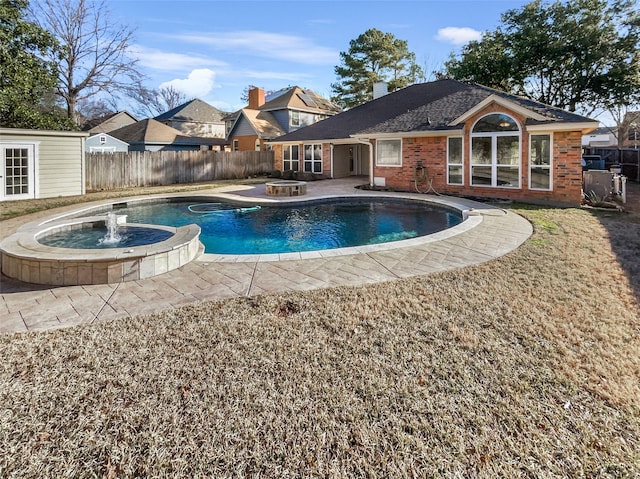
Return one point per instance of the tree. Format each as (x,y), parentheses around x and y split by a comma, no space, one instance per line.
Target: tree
(26,80)
(154,102)
(95,51)
(373,57)
(582,55)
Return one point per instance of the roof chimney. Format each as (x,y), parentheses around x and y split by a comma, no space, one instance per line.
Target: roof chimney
(256,98)
(379,89)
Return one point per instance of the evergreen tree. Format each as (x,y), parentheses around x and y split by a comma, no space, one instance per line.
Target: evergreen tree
(373,57)
(580,55)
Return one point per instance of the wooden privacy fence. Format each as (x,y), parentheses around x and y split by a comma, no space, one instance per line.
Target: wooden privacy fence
(106,171)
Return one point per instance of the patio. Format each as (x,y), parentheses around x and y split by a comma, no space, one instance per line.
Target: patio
(27,307)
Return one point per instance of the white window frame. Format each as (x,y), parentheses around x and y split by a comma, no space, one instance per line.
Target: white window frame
(289,158)
(548,167)
(103,139)
(32,167)
(494,135)
(235,145)
(295,118)
(313,160)
(460,165)
(102,149)
(385,164)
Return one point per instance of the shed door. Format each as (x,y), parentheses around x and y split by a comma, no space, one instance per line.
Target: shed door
(17,176)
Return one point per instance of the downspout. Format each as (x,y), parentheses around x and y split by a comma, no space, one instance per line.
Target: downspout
(370,145)
(331,153)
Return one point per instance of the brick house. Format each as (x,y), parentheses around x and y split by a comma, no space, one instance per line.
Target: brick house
(452,137)
(286,111)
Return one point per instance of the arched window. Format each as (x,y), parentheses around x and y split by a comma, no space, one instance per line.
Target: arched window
(495,152)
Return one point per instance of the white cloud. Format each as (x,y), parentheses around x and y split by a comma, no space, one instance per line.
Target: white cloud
(168,61)
(267,45)
(198,84)
(458,35)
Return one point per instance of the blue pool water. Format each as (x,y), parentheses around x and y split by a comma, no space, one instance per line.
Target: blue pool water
(248,229)
(94,238)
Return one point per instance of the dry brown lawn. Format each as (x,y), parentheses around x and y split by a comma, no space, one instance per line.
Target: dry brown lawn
(527,366)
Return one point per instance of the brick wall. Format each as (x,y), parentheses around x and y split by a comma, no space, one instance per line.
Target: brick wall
(326,158)
(245,143)
(432,153)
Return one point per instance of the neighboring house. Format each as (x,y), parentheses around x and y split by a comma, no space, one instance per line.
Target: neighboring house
(457,138)
(286,111)
(151,135)
(602,137)
(195,118)
(41,164)
(109,122)
(105,143)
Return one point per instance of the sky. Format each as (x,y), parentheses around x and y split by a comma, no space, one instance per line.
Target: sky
(214,49)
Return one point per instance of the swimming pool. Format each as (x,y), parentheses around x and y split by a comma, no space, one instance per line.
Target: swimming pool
(234,229)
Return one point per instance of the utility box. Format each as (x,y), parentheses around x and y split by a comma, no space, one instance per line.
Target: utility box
(596,182)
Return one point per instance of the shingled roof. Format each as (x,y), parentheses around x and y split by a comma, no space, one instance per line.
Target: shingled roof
(193,110)
(299,99)
(263,123)
(150,131)
(422,107)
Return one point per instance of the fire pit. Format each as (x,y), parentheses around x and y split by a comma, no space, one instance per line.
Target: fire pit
(286,188)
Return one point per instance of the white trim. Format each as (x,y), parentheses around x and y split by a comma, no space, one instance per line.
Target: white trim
(291,123)
(586,127)
(409,134)
(494,135)
(290,160)
(503,102)
(24,131)
(102,149)
(550,162)
(313,158)
(461,164)
(33,184)
(399,165)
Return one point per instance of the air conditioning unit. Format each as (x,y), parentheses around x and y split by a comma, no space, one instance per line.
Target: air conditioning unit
(597,182)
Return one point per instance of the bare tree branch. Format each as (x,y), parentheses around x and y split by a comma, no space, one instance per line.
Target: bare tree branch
(96,50)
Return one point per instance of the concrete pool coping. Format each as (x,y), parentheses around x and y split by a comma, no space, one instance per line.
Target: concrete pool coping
(25,307)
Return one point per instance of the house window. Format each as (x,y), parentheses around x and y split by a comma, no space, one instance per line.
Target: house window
(235,145)
(454,161)
(540,162)
(295,118)
(257,144)
(389,153)
(103,139)
(290,158)
(495,152)
(313,158)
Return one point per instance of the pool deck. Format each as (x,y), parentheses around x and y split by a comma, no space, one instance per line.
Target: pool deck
(493,232)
